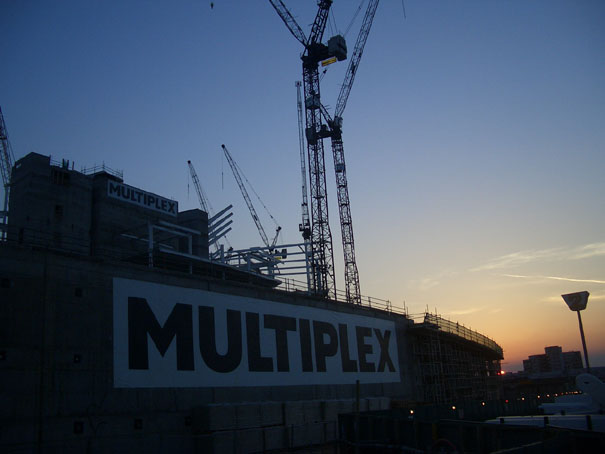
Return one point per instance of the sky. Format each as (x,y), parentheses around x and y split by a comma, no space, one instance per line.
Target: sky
(474,138)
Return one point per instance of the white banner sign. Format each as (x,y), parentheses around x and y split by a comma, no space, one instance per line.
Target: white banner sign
(167,336)
(129,194)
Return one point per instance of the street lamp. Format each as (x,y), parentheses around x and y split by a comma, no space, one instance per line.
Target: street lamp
(577,302)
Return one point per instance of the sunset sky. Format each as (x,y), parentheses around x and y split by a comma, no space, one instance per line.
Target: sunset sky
(474,137)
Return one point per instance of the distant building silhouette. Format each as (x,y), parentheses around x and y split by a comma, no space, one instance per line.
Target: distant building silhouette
(553,360)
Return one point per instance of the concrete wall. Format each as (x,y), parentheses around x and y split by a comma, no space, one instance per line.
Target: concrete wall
(50,205)
(56,371)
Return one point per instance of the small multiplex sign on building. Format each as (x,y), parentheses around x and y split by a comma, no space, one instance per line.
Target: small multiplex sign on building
(167,336)
(141,198)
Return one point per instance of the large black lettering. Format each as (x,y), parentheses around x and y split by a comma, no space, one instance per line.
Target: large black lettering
(281,325)
(348,364)
(230,360)
(364,349)
(323,349)
(383,341)
(114,188)
(142,321)
(256,362)
(304,326)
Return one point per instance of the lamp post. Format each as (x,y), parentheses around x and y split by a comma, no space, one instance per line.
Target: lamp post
(577,302)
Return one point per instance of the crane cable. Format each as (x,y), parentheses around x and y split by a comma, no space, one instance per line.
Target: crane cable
(255,193)
(353,19)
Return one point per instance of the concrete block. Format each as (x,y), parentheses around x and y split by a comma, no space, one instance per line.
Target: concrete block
(18,382)
(223,442)
(346,406)
(118,400)
(176,443)
(71,403)
(247,415)
(293,413)
(329,410)
(12,433)
(20,359)
(249,440)
(210,418)
(271,414)
(275,438)
(75,381)
(315,433)
(311,410)
(385,403)
(305,434)
(330,431)
(189,398)
(297,436)
(164,400)
(66,446)
(373,403)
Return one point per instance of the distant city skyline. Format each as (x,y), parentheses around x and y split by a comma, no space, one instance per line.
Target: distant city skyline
(473,138)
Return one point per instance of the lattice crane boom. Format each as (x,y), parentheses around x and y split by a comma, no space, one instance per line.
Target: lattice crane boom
(244,191)
(289,20)
(345,89)
(204,203)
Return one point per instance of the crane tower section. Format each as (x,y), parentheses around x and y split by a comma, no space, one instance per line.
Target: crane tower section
(7,160)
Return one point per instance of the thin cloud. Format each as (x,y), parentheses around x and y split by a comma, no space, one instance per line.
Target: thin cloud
(517,258)
(555,278)
(554,254)
(589,250)
(470,310)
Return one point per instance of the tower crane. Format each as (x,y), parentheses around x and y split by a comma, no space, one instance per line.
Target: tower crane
(244,191)
(314,52)
(316,131)
(7,160)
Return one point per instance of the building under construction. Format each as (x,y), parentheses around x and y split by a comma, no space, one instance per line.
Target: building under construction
(121,330)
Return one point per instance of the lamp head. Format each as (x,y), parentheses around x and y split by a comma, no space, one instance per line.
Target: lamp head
(576,301)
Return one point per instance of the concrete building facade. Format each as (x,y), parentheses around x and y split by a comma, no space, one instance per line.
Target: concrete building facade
(119,334)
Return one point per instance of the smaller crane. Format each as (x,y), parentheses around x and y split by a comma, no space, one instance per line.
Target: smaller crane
(237,175)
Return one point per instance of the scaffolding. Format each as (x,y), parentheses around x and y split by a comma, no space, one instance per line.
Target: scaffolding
(455,363)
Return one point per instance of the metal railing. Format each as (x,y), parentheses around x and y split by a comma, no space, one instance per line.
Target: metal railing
(462,331)
(293,285)
(102,168)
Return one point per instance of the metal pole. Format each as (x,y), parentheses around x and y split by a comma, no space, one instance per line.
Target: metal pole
(583,342)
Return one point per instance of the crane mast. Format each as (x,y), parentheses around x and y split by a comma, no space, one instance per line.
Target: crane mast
(7,160)
(305,226)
